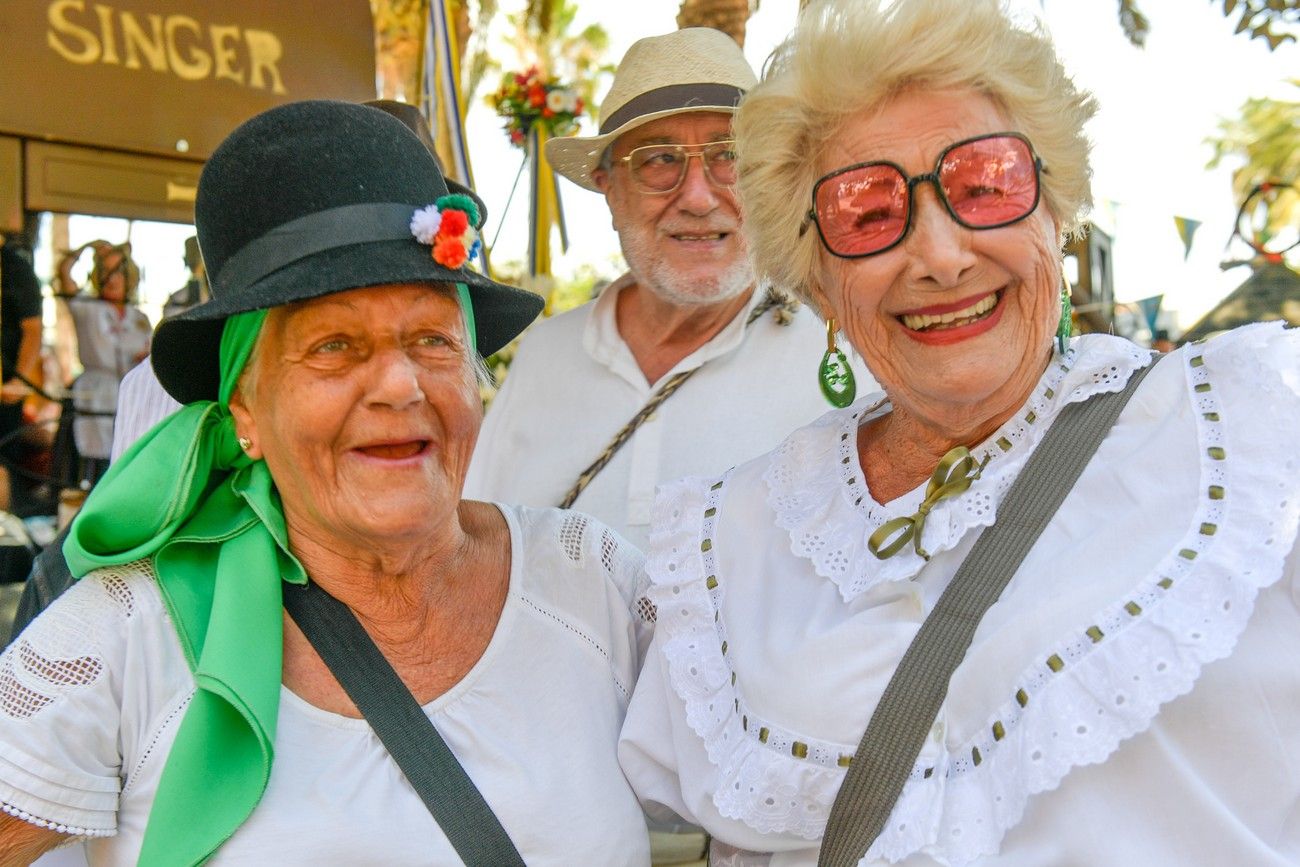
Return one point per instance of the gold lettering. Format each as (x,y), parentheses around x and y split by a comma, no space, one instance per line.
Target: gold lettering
(106,30)
(138,42)
(57,16)
(224,52)
(264,52)
(199,63)
(178,44)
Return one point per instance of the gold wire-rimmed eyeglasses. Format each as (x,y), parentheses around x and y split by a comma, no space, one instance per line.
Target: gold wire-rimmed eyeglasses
(660,168)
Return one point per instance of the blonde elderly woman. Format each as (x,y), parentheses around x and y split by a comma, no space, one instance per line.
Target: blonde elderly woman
(293,641)
(1037,602)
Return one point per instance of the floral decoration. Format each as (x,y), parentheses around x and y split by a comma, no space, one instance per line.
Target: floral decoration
(449,226)
(532,97)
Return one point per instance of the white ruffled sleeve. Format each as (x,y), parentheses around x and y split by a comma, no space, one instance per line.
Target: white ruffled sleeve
(61,709)
(675,771)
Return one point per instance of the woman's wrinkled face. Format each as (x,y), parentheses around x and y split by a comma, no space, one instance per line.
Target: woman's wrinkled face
(365,406)
(955,323)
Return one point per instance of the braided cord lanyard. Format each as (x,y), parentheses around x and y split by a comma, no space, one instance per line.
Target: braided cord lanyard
(665,391)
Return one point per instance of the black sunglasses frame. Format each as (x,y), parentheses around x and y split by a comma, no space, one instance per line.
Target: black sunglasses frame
(931,177)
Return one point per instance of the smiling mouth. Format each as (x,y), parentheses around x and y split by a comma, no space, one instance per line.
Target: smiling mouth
(712,236)
(395,451)
(981,309)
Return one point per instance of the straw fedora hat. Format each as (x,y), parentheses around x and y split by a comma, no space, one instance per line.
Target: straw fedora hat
(694,69)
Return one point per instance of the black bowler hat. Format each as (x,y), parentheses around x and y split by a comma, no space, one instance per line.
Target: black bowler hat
(304,200)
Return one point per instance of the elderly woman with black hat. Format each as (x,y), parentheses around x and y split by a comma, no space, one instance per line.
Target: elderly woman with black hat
(293,642)
(1035,604)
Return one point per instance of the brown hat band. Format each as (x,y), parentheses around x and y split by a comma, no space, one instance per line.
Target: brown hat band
(670,97)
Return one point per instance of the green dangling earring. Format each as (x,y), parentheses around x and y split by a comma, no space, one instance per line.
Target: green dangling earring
(1065,327)
(835,376)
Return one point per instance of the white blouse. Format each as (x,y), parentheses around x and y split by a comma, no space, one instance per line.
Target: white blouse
(91,695)
(108,346)
(1132,698)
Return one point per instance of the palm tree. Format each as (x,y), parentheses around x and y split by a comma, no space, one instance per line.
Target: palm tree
(729,16)
(1266,136)
(1274,21)
(543,39)
(399,44)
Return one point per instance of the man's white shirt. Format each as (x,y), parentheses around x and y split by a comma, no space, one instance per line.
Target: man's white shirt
(574,384)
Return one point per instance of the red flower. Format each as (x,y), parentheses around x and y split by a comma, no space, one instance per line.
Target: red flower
(449,251)
(516,136)
(454,224)
(546,112)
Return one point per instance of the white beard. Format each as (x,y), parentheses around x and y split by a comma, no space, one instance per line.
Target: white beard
(658,275)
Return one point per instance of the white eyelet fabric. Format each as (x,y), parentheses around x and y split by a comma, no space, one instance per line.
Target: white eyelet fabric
(95,689)
(830,516)
(773,667)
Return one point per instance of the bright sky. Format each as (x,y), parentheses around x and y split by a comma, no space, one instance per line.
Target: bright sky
(1157,107)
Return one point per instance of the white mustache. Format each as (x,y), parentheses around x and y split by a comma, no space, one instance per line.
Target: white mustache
(700,230)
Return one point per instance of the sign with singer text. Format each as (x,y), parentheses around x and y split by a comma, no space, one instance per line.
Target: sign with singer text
(173,77)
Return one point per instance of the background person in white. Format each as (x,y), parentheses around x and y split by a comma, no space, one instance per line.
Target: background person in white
(578,378)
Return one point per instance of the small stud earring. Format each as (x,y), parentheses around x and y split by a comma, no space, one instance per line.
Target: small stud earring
(835,376)
(245,443)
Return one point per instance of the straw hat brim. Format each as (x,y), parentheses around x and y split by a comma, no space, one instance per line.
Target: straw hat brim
(576,157)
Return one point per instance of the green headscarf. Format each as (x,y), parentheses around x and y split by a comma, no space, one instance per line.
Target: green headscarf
(186,495)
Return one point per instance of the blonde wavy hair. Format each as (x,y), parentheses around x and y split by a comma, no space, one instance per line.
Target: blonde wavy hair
(850,57)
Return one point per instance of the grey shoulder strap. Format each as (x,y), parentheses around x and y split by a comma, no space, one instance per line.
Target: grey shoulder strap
(911,701)
(402,727)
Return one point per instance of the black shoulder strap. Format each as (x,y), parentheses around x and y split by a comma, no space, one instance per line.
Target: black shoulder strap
(912,699)
(402,727)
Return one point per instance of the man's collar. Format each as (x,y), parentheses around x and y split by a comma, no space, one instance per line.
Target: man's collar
(602,341)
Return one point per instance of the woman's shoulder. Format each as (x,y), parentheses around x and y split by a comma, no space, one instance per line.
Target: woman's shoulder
(84,685)
(122,594)
(101,616)
(566,556)
(1263,357)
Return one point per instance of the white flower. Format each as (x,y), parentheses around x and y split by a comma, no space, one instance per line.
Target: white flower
(425,224)
(570,101)
(555,101)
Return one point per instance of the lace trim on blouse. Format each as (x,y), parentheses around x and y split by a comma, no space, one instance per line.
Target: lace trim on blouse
(51,662)
(1073,707)
(830,516)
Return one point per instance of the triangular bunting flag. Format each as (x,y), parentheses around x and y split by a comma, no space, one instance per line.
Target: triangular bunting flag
(1150,308)
(1186,229)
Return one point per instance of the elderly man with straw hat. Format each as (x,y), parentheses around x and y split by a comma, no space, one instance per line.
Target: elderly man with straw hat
(664,374)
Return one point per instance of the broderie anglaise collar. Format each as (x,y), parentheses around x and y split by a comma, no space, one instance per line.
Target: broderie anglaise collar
(819,496)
